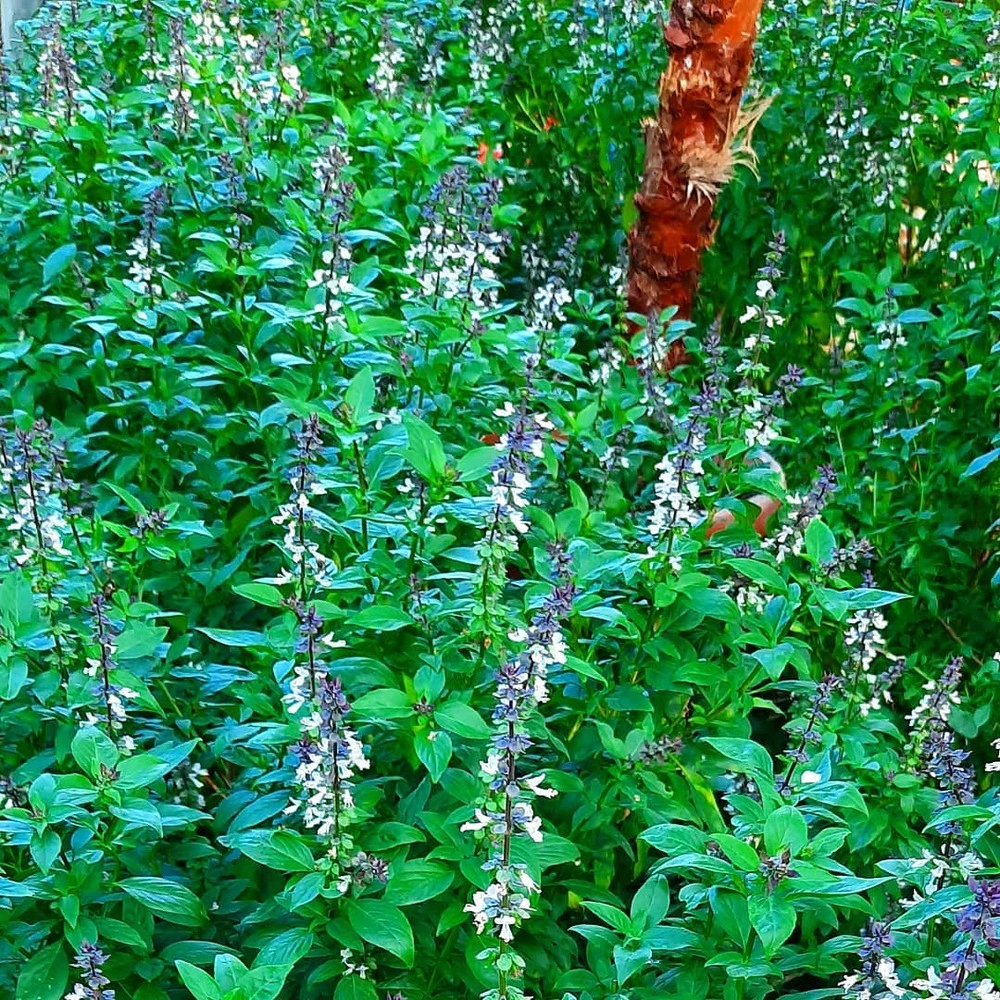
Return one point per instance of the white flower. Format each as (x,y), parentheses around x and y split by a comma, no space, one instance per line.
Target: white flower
(350,967)
(481,822)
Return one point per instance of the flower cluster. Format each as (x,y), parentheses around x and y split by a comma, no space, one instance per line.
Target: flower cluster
(185,783)
(940,696)
(60,81)
(113,697)
(810,734)
(852,157)
(763,312)
(36,512)
(790,536)
(92,985)
(310,566)
(849,557)
(329,756)
(523,438)
(383,81)
(490,41)
(864,646)
(508,812)
(179,77)
(678,488)
(459,249)
(552,282)
(876,979)
(145,271)
(310,672)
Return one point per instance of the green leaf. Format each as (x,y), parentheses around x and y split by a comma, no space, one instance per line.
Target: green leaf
(282,850)
(740,853)
(981,462)
(611,915)
(200,984)
(943,901)
(286,948)
(133,504)
(839,602)
(385,703)
(138,813)
(165,899)
(264,982)
(381,618)
(139,639)
(17,601)
(260,593)
(141,770)
(750,756)
(835,886)
(820,542)
(629,962)
(91,748)
(57,262)
(773,918)
(45,848)
(13,677)
(914,315)
(433,749)
(462,720)
(418,881)
(354,988)
(477,463)
(424,450)
(774,660)
(842,794)
(760,572)
(383,925)
(785,828)
(714,604)
(360,395)
(649,905)
(669,938)
(240,638)
(45,975)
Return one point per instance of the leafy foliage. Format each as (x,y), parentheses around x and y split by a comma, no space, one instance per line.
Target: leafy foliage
(365,624)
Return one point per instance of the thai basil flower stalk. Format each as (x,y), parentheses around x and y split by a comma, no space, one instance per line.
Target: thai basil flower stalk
(36,515)
(505,521)
(508,812)
(789,539)
(459,249)
(329,757)
(934,743)
(328,752)
(92,985)
(113,698)
(310,568)
(864,645)
(145,271)
(336,203)
(876,979)
(522,440)
(678,489)
(979,921)
(552,284)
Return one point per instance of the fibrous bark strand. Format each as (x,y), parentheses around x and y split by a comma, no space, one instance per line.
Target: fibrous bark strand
(690,149)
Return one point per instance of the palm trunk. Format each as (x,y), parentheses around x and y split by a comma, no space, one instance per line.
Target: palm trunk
(690,151)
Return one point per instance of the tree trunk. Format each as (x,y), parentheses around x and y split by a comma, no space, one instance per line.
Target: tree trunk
(691,150)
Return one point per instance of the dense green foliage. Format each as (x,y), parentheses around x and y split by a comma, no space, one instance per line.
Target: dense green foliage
(360,633)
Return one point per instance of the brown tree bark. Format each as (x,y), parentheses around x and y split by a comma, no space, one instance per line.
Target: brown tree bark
(691,149)
(699,135)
